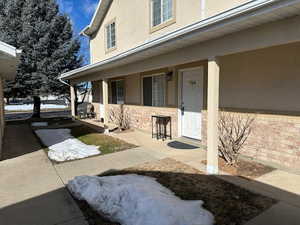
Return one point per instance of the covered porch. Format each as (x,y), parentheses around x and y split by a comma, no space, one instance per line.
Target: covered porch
(234,67)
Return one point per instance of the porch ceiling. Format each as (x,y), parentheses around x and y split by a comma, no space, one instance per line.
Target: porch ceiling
(249,15)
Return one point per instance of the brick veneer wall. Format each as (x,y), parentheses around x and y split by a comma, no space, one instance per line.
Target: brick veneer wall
(275,139)
(141,116)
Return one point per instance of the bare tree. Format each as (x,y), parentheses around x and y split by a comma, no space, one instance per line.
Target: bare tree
(234,130)
(120,117)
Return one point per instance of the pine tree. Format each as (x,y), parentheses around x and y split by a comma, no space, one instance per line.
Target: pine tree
(48,46)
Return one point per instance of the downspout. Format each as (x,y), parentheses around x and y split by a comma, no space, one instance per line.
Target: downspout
(203,9)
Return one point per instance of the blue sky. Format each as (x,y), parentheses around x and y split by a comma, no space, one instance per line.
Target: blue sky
(81,13)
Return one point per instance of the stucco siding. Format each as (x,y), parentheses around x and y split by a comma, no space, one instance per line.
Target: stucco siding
(266,79)
(213,7)
(133,25)
(133,89)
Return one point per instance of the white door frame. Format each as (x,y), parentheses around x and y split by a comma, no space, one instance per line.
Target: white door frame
(180,73)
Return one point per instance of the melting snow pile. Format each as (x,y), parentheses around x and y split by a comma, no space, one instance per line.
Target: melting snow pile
(138,200)
(30,107)
(63,146)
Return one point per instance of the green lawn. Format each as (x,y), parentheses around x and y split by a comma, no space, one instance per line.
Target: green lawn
(107,144)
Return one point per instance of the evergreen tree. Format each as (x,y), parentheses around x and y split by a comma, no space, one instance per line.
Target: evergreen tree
(48,46)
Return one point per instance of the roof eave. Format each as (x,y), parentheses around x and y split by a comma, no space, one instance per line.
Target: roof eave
(233,13)
(97,19)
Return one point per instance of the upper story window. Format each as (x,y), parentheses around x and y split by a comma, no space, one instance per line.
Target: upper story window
(162,11)
(111,36)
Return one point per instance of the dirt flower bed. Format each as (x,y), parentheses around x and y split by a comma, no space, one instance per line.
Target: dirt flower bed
(230,204)
(248,169)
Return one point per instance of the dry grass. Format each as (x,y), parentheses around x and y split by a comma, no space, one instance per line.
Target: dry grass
(231,205)
(107,144)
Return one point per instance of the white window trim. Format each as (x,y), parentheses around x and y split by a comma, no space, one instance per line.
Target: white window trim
(107,49)
(163,24)
(165,91)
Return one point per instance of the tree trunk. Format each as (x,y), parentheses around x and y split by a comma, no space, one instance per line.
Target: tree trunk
(36,107)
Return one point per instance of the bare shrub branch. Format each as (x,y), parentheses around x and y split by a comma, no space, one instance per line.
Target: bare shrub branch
(120,117)
(234,130)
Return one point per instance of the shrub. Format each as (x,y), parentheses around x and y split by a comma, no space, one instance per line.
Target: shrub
(234,130)
(120,117)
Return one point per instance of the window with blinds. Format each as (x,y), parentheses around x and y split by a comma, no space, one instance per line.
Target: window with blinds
(154,90)
(117,92)
(111,36)
(162,11)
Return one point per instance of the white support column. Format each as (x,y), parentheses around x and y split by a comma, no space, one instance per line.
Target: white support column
(213,116)
(73,96)
(105,100)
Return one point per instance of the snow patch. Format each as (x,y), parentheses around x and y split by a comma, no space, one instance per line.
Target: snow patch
(138,200)
(30,107)
(39,124)
(63,146)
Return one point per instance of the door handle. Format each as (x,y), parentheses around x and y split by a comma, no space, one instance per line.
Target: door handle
(182,109)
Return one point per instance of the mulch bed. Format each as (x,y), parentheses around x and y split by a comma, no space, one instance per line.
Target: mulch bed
(248,169)
(231,205)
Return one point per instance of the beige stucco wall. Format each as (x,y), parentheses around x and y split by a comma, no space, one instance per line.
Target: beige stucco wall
(266,79)
(133,22)
(133,89)
(214,7)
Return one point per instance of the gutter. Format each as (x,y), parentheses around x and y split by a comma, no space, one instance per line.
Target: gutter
(234,12)
(9,50)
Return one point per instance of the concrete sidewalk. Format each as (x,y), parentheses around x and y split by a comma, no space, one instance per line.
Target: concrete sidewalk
(32,193)
(32,189)
(97,165)
(280,185)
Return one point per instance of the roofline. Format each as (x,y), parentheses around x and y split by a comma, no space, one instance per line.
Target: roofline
(101,11)
(234,12)
(9,50)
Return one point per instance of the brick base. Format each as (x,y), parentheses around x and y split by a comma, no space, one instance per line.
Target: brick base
(141,116)
(275,140)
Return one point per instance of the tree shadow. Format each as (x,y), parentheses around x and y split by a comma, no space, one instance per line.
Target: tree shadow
(224,196)
(230,203)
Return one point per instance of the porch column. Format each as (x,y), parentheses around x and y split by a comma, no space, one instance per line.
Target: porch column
(73,96)
(212,116)
(105,100)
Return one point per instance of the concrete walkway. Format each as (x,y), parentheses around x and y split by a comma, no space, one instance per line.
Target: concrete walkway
(100,164)
(32,193)
(280,185)
(32,189)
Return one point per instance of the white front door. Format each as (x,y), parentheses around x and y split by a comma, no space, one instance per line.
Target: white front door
(192,102)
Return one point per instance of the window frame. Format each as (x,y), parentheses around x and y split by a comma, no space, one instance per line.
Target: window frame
(112,48)
(163,24)
(165,89)
(111,93)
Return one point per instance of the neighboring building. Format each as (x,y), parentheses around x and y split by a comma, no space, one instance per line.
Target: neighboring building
(8,67)
(187,59)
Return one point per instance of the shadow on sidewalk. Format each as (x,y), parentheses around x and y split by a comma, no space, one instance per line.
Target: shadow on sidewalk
(231,204)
